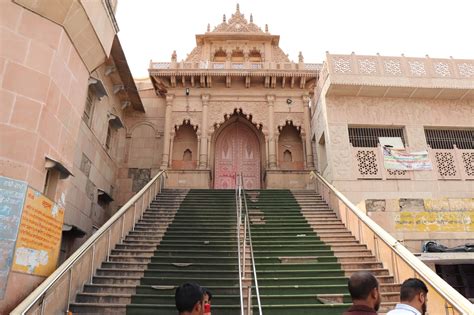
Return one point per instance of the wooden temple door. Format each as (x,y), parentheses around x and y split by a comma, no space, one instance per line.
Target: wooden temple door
(237,151)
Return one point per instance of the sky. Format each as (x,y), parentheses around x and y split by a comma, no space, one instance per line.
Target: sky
(152,29)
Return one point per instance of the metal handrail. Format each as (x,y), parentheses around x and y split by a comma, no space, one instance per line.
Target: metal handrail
(41,291)
(247,232)
(238,208)
(447,292)
(257,290)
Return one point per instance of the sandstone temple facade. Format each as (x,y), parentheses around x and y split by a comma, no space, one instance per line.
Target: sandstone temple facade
(235,104)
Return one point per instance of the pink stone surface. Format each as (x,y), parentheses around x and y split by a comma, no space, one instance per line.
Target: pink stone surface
(237,151)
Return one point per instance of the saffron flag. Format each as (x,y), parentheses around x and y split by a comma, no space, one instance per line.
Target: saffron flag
(401,160)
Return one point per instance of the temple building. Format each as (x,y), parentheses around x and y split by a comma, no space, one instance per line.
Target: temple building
(236,104)
(349,164)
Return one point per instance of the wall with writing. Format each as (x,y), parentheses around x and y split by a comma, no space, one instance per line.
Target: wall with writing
(12,196)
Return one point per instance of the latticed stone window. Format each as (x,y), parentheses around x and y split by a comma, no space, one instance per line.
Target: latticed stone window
(369,137)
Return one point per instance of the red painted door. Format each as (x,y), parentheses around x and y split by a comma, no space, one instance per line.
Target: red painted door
(237,151)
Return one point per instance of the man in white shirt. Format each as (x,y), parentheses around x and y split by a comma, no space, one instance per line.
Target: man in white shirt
(413,297)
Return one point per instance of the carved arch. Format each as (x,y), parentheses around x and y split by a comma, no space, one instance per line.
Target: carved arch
(129,130)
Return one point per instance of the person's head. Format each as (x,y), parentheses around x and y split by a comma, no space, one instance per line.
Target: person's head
(189,299)
(415,293)
(364,289)
(207,296)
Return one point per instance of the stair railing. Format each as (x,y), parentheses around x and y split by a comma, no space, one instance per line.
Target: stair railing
(238,208)
(399,260)
(248,233)
(54,295)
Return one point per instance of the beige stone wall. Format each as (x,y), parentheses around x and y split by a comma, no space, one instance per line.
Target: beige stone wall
(449,221)
(43,87)
(43,83)
(142,147)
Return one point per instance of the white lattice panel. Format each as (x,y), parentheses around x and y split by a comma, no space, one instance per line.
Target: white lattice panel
(467,163)
(367,163)
(446,164)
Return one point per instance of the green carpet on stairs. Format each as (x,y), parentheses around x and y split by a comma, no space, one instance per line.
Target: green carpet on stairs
(200,245)
(279,232)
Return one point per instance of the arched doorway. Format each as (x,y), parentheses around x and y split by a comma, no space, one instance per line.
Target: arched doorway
(237,151)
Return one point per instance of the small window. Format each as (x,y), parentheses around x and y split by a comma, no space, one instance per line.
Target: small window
(287,156)
(109,137)
(369,137)
(51,183)
(187,155)
(89,108)
(448,138)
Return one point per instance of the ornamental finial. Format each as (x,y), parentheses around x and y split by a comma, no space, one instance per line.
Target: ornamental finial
(251,18)
(208,27)
(223,18)
(266,28)
(238,7)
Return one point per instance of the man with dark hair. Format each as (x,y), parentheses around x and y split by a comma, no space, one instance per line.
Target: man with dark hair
(364,290)
(413,297)
(189,299)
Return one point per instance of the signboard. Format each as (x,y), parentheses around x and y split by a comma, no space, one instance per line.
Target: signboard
(404,161)
(39,236)
(12,196)
(435,221)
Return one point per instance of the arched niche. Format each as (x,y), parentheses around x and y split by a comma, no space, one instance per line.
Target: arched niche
(220,56)
(185,148)
(290,148)
(237,56)
(255,56)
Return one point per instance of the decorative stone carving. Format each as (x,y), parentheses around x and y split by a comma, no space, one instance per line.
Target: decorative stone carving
(342,163)
(442,69)
(466,70)
(178,118)
(174,56)
(278,55)
(338,136)
(237,24)
(195,54)
(367,66)
(281,119)
(342,65)
(446,164)
(367,163)
(392,67)
(417,68)
(219,112)
(468,163)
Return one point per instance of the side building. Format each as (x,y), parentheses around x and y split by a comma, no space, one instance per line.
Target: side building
(65,87)
(428,104)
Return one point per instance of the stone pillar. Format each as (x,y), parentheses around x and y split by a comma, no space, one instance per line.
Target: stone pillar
(271,132)
(166,132)
(307,127)
(203,141)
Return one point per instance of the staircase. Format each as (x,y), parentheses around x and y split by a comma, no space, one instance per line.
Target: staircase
(303,256)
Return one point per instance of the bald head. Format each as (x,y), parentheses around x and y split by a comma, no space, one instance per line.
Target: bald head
(361,283)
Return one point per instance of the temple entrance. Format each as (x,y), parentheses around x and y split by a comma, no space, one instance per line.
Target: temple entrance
(237,150)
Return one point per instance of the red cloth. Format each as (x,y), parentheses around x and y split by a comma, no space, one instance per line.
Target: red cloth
(360,310)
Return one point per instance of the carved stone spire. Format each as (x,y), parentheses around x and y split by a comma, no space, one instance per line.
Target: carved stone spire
(251,18)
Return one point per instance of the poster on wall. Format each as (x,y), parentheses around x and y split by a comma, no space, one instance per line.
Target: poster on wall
(39,236)
(12,197)
(401,160)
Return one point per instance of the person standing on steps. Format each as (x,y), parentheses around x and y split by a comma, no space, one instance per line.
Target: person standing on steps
(413,298)
(207,301)
(189,299)
(365,294)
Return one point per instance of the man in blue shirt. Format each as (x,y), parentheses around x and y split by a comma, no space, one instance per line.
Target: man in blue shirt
(413,297)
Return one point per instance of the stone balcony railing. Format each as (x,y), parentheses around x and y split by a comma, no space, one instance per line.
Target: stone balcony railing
(453,164)
(225,66)
(400,66)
